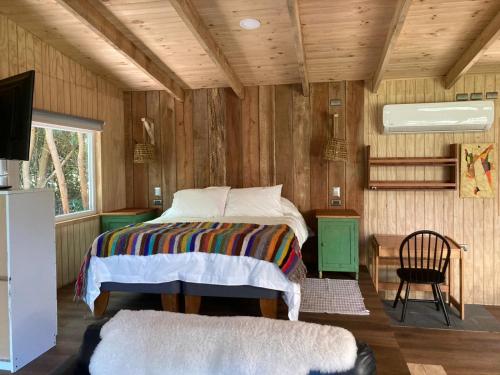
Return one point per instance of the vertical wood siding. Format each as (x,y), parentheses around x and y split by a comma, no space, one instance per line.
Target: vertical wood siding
(64,86)
(273,136)
(73,239)
(475,222)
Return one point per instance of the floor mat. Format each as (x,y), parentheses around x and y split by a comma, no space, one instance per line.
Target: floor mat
(425,315)
(332,296)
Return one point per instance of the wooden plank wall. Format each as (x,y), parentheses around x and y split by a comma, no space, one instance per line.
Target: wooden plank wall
(475,222)
(273,136)
(64,86)
(73,239)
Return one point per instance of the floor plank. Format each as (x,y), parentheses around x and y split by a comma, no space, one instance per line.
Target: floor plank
(423,369)
(458,352)
(494,310)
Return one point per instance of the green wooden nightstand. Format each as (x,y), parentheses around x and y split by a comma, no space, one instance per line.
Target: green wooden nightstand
(338,241)
(120,218)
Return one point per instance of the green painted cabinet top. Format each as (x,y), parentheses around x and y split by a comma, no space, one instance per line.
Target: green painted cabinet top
(120,218)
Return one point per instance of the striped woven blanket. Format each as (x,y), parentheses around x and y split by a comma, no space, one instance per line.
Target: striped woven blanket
(272,243)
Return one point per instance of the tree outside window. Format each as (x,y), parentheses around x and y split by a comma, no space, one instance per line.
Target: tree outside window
(61,160)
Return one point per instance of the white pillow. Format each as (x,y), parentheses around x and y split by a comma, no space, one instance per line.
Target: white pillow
(289,208)
(209,202)
(257,201)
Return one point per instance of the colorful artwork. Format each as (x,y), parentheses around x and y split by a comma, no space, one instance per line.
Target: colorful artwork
(478,170)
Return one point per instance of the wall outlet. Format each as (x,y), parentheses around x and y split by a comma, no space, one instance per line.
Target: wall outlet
(157,202)
(335,203)
(464,246)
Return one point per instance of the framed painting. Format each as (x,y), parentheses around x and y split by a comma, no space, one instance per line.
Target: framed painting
(478,170)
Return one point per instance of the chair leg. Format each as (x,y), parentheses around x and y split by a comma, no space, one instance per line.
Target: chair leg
(436,298)
(405,303)
(442,304)
(398,294)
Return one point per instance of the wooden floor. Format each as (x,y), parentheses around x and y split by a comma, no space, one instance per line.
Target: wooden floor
(457,352)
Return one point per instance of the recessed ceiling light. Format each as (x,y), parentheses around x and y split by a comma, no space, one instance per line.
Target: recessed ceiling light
(249,24)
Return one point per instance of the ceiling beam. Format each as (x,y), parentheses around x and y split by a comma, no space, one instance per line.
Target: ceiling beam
(93,18)
(398,20)
(293,9)
(188,13)
(488,36)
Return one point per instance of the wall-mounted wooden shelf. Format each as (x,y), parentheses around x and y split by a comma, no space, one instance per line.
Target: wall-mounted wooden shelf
(451,163)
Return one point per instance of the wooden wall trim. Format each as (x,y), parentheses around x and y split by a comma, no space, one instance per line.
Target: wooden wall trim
(397,22)
(97,22)
(77,220)
(188,13)
(293,10)
(475,51)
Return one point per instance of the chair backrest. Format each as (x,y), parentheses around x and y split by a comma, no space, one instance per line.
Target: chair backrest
(425,249)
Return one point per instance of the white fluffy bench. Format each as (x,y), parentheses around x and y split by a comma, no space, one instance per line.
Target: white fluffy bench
(158,342)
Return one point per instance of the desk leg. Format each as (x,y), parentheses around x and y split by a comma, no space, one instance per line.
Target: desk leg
(375,272)
(462,305)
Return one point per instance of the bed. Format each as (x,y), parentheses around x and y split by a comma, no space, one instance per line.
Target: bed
(212,242)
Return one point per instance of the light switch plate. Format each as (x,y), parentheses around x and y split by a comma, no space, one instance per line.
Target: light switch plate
(336,191)
(157,191)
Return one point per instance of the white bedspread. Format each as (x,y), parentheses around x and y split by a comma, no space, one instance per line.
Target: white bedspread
(216,269)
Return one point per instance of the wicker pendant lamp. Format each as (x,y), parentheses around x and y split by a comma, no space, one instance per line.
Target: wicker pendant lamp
(145,152)
(335,148)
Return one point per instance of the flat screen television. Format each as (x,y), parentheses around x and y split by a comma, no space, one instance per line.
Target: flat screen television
(16,106)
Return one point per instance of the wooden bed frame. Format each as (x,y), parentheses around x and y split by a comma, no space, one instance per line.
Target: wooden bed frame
(171,302)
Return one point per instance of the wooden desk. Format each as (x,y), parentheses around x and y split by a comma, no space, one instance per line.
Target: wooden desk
(385,251)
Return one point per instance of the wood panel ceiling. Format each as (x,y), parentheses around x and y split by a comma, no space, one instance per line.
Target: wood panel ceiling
(55,25)
(342,39)
(435,35)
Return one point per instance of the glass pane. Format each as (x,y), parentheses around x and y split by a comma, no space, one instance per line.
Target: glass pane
(60,160)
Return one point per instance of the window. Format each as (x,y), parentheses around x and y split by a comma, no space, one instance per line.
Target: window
(62,159)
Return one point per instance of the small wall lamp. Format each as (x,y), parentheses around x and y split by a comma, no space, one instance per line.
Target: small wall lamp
(335,148)
(145,152)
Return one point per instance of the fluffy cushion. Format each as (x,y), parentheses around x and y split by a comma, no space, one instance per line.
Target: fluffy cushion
(257,201)
(203,203)
(158,342)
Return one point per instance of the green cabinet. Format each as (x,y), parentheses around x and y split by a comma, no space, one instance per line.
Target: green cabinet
(120,218)
(338,241)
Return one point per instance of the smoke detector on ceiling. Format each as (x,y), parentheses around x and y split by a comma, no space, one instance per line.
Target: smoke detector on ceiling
(249,23)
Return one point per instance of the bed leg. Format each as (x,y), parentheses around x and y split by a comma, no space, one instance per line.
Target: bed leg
(269,308)
(170,302)
(192,304)
(100,304)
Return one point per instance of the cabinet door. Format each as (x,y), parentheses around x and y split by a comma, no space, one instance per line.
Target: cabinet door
(338,241)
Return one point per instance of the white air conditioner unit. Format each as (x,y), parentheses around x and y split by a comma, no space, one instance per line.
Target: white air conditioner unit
(466,116)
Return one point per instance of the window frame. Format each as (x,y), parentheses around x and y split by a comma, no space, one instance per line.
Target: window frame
(92,168)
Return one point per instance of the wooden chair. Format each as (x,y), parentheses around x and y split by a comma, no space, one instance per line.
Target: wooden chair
(424,257)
